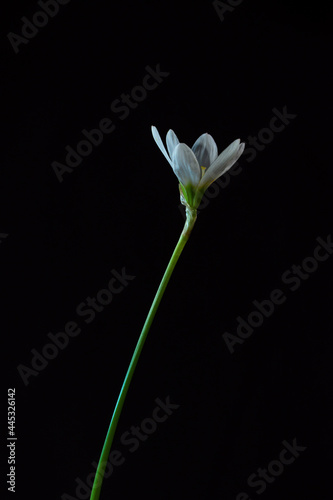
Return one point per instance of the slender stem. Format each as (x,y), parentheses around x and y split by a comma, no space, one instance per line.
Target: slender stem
(190,221)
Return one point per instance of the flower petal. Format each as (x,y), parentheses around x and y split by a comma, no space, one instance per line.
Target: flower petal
(160,144)
(172,141)
(205,150)
(222,163)
(185,165)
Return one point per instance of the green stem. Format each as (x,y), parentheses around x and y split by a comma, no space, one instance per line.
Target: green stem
(190,221)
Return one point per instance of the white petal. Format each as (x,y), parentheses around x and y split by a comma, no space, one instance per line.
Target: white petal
(205,150)
(185,165)
(159,142)
(172,141)
(222,163)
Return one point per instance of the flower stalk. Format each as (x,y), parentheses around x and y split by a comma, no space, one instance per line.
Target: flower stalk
(191,216)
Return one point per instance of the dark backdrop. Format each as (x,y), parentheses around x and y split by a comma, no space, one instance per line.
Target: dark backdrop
(239,399)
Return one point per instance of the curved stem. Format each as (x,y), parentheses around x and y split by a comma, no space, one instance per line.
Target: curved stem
(190,221)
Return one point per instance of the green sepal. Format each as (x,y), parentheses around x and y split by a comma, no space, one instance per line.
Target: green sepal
(187,194)
(198,197)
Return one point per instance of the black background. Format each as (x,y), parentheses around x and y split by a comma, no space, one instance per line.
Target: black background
(120,208)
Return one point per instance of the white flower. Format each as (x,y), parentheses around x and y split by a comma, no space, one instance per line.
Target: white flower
(199,166)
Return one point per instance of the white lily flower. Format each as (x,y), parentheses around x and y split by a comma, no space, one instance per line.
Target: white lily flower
(199,166)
